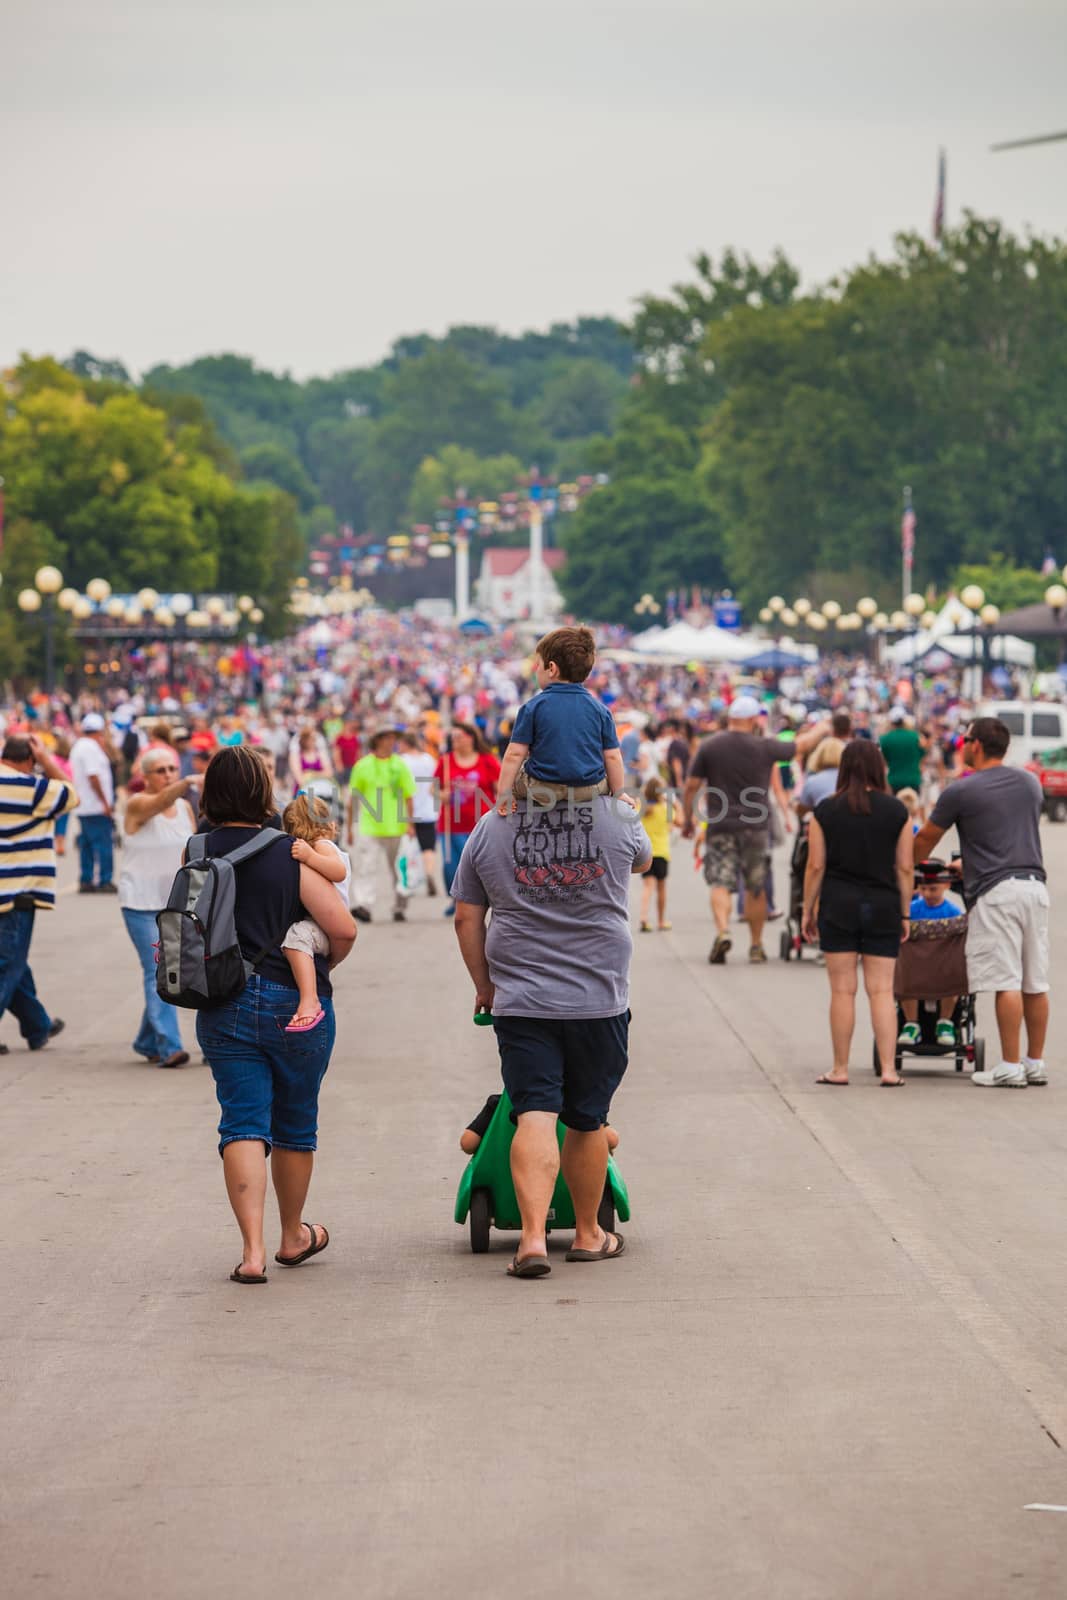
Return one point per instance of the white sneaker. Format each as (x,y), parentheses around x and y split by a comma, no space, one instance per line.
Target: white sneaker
(1035,1070)
(1008,1075)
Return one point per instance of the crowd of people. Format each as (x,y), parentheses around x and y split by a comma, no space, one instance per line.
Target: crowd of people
(393,754)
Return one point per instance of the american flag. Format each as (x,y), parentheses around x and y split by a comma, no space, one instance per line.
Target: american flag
(939,202)
(907,533)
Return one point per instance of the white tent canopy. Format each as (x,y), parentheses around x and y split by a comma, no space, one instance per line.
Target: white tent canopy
(682,642)
(953,631)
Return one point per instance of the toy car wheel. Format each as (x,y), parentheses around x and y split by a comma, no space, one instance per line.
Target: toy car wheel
(979,1055)
(1057,810)
(785,945)
(606,1211)
(479,1221)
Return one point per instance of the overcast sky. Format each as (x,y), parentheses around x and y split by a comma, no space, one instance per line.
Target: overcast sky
(306,181)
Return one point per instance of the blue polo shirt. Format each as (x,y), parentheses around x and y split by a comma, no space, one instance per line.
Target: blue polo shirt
(567,730)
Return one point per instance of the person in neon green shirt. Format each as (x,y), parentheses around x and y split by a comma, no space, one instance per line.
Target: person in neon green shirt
(380,814)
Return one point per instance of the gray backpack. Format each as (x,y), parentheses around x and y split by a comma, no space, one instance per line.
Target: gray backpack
(200,963)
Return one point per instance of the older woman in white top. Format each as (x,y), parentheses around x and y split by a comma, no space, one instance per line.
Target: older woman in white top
(157,824)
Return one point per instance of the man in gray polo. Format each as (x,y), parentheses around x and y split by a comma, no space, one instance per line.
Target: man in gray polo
(553,966)
(996,811)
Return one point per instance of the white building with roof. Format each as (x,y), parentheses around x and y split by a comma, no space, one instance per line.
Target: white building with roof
(504,590)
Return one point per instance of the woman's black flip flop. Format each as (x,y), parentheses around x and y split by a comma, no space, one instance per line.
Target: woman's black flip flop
(237,1276)
(312,1249)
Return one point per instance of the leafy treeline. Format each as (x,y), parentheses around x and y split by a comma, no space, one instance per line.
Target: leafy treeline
(772,432)
(377,448)
(135,487)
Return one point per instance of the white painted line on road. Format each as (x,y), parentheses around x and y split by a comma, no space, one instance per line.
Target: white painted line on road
(1039,1507)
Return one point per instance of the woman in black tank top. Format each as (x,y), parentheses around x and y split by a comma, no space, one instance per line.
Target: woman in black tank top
(267,1081)
(857,896)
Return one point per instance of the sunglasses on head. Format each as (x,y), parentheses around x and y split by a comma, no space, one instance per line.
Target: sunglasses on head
(163,769)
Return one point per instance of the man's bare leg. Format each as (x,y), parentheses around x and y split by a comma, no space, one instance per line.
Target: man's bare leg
(585,1169)
(721,900)
(1035,1011)
(1010,1023)
(756,914)
(534,1170)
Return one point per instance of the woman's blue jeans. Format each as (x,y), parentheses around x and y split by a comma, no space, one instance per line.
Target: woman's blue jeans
(267,1080)
(452,847)
(159,1033)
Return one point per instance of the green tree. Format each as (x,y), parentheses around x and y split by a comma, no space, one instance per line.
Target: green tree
(438,477)
(638,534)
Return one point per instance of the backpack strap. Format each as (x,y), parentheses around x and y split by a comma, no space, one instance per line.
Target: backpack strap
(196,847)
(245,852)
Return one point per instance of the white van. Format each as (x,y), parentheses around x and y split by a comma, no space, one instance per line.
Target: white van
(1034,725)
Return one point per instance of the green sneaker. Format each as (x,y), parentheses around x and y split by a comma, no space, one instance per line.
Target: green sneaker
(909,1034)
(946,1033)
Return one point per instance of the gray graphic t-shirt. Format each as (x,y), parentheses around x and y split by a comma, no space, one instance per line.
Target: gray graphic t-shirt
(558,884)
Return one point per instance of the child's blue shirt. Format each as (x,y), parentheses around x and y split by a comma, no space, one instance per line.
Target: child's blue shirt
(921,912)
(567,730)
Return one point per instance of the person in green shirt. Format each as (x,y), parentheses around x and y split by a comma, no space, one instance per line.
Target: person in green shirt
(380,814)
(903,751)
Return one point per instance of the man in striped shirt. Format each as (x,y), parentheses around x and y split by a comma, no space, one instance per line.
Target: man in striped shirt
(30,802)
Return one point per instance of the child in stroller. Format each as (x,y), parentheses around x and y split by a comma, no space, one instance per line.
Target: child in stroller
(930,983)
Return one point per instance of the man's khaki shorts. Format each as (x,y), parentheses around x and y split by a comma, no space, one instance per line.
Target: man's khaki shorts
(307,937)
(727,855)
(1007,938)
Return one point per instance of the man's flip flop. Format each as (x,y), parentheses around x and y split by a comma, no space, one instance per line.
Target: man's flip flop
(312,1249)
(603,1254)
(833,1083)
(305,1024)
(237,1276)
(529,1267)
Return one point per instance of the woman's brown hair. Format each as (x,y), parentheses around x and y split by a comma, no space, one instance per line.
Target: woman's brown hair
(476,734)
(237,787)
(655,789)
(862,769)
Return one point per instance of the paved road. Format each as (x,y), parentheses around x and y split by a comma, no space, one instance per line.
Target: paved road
(831,1365)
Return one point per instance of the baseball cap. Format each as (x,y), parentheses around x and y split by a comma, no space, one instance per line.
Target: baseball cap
(93,722)
(745,706)
(897,714)
(202,741)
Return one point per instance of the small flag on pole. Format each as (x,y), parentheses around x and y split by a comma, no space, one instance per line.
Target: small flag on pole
(939,202)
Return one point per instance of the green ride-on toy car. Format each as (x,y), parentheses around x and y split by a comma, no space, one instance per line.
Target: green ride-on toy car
(487,1195)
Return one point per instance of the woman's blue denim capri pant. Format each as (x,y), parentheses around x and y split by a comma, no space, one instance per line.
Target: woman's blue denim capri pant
(267,1080)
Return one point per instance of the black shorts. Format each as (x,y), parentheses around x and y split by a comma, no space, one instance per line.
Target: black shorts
(868,927)
(426,835)
(657,869)
(570,1067)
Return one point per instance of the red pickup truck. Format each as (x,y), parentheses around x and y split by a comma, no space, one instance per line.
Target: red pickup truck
(1050,770)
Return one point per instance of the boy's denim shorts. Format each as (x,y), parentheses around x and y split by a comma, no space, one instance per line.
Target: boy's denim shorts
(570,1066)
(267,1080)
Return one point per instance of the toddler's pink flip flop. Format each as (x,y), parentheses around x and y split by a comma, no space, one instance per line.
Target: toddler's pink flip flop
(305,1024)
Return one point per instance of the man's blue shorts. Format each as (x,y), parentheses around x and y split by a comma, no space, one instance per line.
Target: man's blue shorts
(570,1067)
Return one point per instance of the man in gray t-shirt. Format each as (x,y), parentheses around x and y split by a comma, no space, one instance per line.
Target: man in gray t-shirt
(553,966)
(996,811)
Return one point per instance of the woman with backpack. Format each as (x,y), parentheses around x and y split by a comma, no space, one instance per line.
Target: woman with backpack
(267,1081)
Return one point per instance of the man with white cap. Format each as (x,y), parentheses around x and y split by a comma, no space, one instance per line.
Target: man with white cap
(732,773)
(95,783)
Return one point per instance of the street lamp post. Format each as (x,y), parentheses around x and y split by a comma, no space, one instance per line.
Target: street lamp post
(47,583)
(1056,599)
(973,597)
